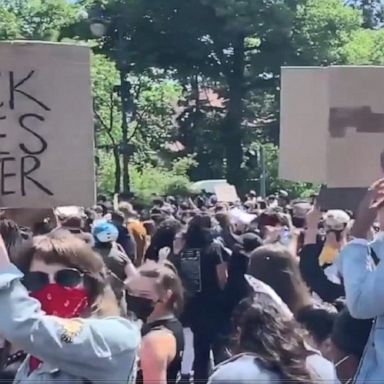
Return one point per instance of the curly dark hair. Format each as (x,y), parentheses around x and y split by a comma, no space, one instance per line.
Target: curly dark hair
(275,338)
(198,234)
(163,237)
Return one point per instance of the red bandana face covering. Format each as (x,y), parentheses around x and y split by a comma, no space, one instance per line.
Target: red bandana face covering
(62,302)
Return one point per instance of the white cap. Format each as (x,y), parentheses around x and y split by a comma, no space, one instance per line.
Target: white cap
(336,219)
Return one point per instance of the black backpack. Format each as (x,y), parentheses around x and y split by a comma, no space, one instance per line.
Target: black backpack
(188,265)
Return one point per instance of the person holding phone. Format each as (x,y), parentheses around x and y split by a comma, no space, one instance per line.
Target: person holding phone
(315,251)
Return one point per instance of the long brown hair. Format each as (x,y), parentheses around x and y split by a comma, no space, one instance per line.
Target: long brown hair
(274,265)
(66,249)
(274,338)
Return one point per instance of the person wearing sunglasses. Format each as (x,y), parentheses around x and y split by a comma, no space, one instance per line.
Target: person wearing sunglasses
(58,308)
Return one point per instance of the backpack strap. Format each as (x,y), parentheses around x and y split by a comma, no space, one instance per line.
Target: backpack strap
(374,256)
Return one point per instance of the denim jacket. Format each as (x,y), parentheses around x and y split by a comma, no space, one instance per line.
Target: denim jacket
(73,350)
(364,289)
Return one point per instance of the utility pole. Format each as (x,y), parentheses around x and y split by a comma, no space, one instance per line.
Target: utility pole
(98,26)
(125,94)
(263,176)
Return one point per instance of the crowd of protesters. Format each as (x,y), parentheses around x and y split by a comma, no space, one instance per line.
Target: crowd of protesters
(195,291)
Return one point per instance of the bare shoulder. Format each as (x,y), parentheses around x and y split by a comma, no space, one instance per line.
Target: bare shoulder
(160,344)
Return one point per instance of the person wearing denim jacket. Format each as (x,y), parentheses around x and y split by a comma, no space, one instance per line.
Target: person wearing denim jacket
(363,279)
(79,350)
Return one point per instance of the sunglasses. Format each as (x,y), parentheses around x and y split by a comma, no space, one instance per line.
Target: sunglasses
(67,278)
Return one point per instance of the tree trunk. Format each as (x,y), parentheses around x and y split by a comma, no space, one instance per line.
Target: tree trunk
(125,97)
(116,157)
(232,127)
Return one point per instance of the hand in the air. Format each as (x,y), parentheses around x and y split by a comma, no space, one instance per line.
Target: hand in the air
(313,217)
(368,210)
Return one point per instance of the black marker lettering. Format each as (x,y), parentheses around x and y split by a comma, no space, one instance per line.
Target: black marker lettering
(44,145)
(3,136)
(13,88)
(363,119)
(2,117)
(25,174)
(1,106)
(4,175)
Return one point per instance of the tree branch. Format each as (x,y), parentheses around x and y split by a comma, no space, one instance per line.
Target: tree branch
(139,87)
(133,133)
(111,109)
(107,129)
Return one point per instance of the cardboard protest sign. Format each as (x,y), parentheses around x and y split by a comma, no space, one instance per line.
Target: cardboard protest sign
(332,125)
(238,216)
(340,198)
(28,217)
(226,193)
(46,126)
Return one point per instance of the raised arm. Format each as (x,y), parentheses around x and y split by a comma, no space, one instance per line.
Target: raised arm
(363,283)
(90,348)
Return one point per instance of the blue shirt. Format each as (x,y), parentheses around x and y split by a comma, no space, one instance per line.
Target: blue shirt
(364,289)
(96,349)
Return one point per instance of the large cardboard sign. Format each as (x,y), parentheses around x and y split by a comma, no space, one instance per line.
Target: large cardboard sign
(28,217)
(46,126)
(226,193)
(332,125)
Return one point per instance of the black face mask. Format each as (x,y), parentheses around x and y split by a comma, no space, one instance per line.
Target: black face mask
(298,222)
(142,307)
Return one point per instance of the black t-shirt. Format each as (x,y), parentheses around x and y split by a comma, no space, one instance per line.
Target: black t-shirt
(208,300)
(237,287)
(212,256)
(314,275)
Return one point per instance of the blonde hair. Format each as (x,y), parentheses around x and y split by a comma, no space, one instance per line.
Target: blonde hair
(126,209)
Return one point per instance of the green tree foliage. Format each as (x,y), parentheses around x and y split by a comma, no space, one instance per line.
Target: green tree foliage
(148,181)
(172,52)
(151,118)
(274,184)
(322,29)
(365,47)
(9,24)
(235,47)
(40,19)
(372,12)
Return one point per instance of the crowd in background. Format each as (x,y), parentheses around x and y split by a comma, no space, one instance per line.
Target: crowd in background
(195,290)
